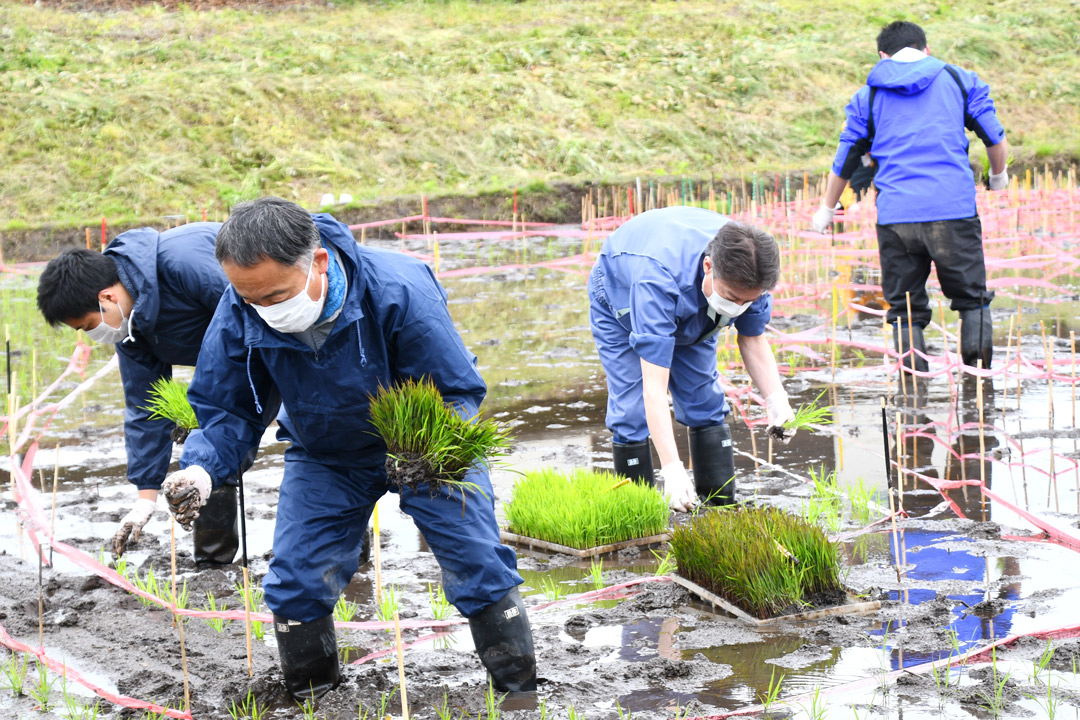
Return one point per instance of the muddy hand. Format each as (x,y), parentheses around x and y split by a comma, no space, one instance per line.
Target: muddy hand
(186,492)
(780,413)
(131,526)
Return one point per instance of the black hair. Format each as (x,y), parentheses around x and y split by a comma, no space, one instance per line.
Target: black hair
(69,286)
(269,227)
(745,257)
(898,35)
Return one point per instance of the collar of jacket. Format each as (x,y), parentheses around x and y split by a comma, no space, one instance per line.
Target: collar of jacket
(135,254)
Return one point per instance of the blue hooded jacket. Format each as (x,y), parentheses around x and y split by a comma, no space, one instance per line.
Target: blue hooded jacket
(394,324)
(920,113)
(176,284)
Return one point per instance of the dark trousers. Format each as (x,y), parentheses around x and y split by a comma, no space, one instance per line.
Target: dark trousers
(954,246)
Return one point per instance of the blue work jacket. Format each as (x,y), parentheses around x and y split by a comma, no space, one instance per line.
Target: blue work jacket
(176,285)
(920,113)
(394,324)
(650,274)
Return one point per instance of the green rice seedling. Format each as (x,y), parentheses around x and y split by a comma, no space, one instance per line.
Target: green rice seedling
(824,504)
(77,710)
(254,595)
(624,714)
(1043,662)
(345,610)
(859,497)
(15,673)
(808,415)
(584,508)
(1052,703)
(667,563)
(492,704)
(572,713)
(307,709)
(163,715)
(248,709)
(384,702)
(817,708)
(362,714)
(745,556)
(168,400)
(40,689)
(443,711)
(389,604)
(552,590)
(596,572)
(427,442)
(148,583)
(441,608)
(768,698)
(218,624)
(542,707)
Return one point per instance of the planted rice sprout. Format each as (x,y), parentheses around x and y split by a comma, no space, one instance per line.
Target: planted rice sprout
(583,508)
(169,401)
(810,414)
(739,555)
(428,442)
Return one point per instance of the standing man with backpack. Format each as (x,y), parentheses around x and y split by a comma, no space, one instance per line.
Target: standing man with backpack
(912,115)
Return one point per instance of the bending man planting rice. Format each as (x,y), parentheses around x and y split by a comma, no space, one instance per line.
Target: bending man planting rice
(664,285)
(326,323)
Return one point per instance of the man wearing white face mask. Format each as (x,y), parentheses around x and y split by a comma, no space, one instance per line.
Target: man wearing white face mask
(152,294)
(662,287)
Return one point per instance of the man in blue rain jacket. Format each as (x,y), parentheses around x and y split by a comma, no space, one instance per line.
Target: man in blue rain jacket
(325,322)
(153,295)
(911,116)
(662,287)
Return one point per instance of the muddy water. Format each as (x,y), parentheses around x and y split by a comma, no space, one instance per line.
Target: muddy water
(658,653)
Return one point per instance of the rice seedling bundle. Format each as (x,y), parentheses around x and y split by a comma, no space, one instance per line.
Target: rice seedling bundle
(429,442)
(168,401)
(584,509)
(761,559)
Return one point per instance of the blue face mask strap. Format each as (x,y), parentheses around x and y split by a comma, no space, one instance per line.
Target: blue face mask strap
(251,382)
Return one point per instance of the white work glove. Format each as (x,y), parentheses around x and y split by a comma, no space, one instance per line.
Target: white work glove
(131,526)
(779,411)
(1001,180)
(186,492)
(823,219)
(678,487)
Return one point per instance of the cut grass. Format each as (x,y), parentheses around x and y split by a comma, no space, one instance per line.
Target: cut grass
(429,442)
(108,114)
(581,510)
(739,554)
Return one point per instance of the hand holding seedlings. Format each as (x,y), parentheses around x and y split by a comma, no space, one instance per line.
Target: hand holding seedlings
(678,487)
(186,491)
(780,414)
(131,525)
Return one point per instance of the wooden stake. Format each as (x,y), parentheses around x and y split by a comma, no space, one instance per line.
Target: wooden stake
(179,620)
(401,668)
(899,463)
(52,520)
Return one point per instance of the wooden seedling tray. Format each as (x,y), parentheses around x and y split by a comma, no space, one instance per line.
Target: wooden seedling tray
(849,608)
(535,544)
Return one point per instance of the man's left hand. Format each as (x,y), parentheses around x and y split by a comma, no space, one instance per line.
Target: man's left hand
(779,412)
(1000,181)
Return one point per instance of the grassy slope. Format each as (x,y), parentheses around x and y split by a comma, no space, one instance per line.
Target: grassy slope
(150,112)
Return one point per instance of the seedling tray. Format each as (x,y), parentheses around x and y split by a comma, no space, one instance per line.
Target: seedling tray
(535,544)
(852,607)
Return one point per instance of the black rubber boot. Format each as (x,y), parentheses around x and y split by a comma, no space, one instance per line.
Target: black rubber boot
(976,337)
(504,642)
(215,530)
(308,653)
(713,461)
(902,337)
(634,460)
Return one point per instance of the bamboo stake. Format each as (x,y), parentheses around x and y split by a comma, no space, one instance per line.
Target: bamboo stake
(982,434)
(401,668)
(244,567)
(40,597)
(1050,398)
(899,463)
(52,520)
(911,340)
(179,620)
(375,554)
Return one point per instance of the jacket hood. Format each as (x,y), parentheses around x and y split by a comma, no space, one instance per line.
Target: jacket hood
(135,253)
(908,78)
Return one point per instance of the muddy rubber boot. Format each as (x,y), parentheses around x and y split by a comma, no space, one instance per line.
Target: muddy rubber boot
(976,337)
(308,653)
(901,338)
(365,547)
(634,460)
(713,462)
(504,642)
(215,531)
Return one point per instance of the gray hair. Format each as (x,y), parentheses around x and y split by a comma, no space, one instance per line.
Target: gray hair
(745,257)
(267,228)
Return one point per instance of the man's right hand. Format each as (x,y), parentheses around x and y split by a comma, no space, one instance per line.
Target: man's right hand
(678,487)
(186,492)
(999,181)
(131,526)
(822,219)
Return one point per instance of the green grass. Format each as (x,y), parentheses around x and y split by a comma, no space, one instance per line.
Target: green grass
(742,556)
(168,400)
(428,441)
(581,510)
(145,112)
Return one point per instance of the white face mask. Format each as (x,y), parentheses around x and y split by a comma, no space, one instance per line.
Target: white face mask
(723,306)
(105,333)
(296,314)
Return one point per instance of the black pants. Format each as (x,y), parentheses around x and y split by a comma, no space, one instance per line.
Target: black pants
(954,246)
